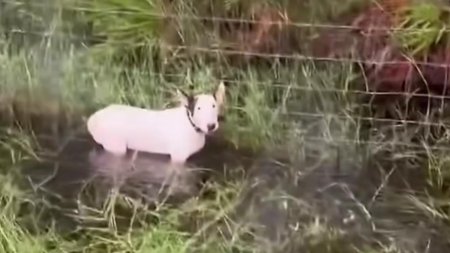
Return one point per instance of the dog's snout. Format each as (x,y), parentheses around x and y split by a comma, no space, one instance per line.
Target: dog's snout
(211,127)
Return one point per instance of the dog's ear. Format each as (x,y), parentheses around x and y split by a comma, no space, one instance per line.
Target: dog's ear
(219,94)
(183,97)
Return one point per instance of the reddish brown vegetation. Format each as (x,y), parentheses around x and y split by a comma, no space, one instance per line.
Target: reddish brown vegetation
(437,73)
(249,31)
(266,35)
(385,65)
(394,8)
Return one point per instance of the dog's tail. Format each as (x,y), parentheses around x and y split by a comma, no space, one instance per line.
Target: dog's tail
(92,124)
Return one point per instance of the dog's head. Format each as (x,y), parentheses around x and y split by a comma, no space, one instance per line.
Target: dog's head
(204,109)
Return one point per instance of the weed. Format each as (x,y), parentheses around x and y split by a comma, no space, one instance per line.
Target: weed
(423,28)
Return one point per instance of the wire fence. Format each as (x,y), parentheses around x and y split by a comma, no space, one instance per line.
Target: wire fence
(183,17)
(221,51)
(367,33)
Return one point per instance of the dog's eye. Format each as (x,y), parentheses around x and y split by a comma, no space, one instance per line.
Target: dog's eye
(214,106)
(198,108)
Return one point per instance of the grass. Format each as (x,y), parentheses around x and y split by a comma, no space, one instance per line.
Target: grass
(77,78)
(303,120)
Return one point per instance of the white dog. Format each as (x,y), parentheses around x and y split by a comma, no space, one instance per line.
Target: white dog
(178,132)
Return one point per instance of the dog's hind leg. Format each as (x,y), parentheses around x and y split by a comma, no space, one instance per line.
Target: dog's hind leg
(116,147)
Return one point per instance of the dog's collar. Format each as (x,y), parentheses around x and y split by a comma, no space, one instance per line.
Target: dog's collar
(196,128)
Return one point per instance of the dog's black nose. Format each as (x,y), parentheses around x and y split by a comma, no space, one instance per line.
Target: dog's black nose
(211,127)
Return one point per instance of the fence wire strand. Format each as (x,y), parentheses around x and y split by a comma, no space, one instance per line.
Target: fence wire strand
(285,85)
(285,22)
(271,56)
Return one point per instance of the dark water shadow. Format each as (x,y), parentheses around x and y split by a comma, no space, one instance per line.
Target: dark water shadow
(368,199)
(82,174)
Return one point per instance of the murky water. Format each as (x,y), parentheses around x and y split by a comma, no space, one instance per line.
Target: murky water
(370,200)
(81,171)
(366,196)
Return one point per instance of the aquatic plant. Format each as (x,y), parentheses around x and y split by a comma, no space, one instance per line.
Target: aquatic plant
(422,28)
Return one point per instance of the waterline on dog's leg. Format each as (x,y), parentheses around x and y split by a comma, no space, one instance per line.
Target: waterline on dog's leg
(117,147)
(133,159)
(176,166)
(172,174)
(117,150)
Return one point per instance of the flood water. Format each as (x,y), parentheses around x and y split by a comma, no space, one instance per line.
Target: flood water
(81,174)
(367,198)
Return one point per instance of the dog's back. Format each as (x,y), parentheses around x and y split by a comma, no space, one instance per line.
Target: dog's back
(139,129)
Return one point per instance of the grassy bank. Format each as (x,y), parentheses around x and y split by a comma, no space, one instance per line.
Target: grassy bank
(325,174)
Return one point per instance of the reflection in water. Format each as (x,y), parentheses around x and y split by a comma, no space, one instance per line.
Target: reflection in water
(148,177)
(83,175)
(367,199)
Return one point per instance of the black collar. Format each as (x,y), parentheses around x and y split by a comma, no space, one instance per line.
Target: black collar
(196,128)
